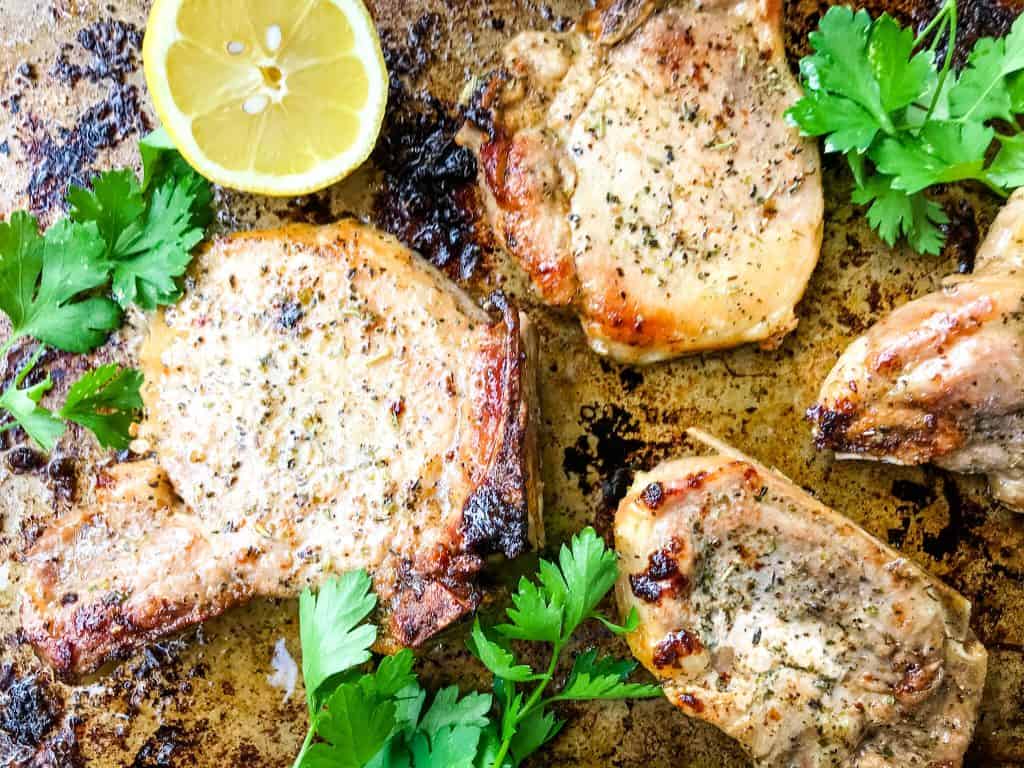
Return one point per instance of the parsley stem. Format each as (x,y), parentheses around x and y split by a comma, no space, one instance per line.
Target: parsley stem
(305,745)
(948,12)
(993,187)
(499,759)
(27,368)
(937,19)
(531,704)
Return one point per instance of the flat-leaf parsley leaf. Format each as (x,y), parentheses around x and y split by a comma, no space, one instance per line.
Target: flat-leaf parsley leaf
(106,401)
(906,121)
(45,284)
(376,719)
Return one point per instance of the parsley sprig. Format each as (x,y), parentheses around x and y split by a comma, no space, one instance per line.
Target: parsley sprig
(123,243)
(379,718)
(550,611)
(105,401)
(906,121)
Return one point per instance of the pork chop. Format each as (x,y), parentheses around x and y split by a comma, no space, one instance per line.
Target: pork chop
(790,628)
(942,378)
(320,400)
(641,171)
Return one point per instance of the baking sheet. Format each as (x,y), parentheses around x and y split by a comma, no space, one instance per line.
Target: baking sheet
(215,696)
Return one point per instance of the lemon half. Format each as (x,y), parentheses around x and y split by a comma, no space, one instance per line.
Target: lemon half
(279,97)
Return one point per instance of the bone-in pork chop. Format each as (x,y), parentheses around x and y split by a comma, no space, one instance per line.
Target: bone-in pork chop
(790,628)
(641,171)
(320,400)
(942,378)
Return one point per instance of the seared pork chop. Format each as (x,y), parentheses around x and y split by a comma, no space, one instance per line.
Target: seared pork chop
(641,171)
(320,400)
(790,628)
(942,378)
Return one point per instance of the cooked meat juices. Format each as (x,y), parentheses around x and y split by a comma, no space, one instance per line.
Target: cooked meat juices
(320,400)
(641,171)
(790,628)
(942,378)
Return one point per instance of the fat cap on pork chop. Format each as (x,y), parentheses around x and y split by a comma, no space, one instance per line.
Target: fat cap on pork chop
(320,400)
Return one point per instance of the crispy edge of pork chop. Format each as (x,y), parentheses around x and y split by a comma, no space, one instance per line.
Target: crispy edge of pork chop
(941,379)
(530,177)
(77,632)
(749,621)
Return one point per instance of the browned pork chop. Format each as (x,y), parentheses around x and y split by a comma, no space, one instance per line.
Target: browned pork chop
(789,627)
(942,378)
(641,171)
(320,400)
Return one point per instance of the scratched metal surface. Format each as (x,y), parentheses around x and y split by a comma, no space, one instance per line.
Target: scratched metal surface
(206,698)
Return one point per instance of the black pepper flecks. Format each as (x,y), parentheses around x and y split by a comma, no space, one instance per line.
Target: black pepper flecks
(558,22)
(428,199)
(291,314)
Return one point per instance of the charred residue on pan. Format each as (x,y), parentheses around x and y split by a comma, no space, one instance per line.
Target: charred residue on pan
(964,516)
(428,198)
(27,708)
(63,155)
(611,449)
(962,237)
(630,378)
(113,46)
(915,497)
(33,729)
(159,673)
(163,747)
(975,19)
(605,450)
(976,546)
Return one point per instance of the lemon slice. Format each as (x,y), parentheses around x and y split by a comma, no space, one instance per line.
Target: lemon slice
(280,97)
